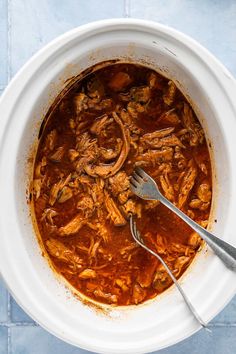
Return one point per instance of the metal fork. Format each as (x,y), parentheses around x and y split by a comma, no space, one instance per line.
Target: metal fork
(146,188)
(138,238)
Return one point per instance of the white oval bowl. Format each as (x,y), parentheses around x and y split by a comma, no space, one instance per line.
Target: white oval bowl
(210,286)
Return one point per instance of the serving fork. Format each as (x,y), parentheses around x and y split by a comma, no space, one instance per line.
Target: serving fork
(146,188)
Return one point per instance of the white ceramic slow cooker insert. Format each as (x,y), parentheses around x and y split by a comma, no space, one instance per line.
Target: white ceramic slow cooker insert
(210,286)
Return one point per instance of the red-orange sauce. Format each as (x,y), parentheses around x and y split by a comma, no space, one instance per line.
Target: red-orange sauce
(82,207)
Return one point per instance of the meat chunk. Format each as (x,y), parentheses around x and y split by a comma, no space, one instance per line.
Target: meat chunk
(193,127)
(177,249)
(153,81)
(204,192)
(106,171)
(57,189)
(84,142)
(180,264)
(134,108)
(194,240)
(58,250)
(80,102)
(122,284)
(124,196)
(95,89)
(88,150)
(100,124)
(111,298)
(157,134)
(171,140)
(48,215)
(199,204)
(86,205)
(50,141)
(161,244)
(140,94)
(119,182)
(202,160)
(132,207)
(39,168)
(167,187)
(113,211)
(139,294)
(58,154)
(36,187)
(161,279)
(111,154)
(102,231)
(152,157)
(65,194)
(151,204)
(160,138)
(96,191)
(105,104)
(170,117)
(87,274)
(145,278)
(169,96)
(187,183)
(120,81)
(73,154)
(72,226)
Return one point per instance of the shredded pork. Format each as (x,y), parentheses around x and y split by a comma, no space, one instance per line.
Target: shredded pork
(115,119)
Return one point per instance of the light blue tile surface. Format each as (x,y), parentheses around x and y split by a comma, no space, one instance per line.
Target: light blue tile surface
(228,315)
(3,303)
(41,21)
(17,314)
(31,24)
(3,340)
(35,340)
(211,22)
(222,340)
(3,43)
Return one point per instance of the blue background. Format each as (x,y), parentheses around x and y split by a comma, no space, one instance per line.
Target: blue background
(27,25)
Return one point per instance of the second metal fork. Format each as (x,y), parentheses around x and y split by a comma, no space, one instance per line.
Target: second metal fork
(138,238)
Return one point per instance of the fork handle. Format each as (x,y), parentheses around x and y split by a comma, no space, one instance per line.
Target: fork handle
(175,281)
(222,249)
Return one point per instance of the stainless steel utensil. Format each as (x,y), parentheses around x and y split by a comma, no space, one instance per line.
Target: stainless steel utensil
(138,238)
(146,188)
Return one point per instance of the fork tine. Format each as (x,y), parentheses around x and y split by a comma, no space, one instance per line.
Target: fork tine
(137,177)
(132,226)
(141,172)
(134,185)
(131,223)
(135,228)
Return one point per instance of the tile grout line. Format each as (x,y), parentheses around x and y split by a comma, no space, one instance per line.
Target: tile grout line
(8,40)
(18,324)
(8,340)
(127,8)
(8,79)
(8,306)
(9,319)
(34,324)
